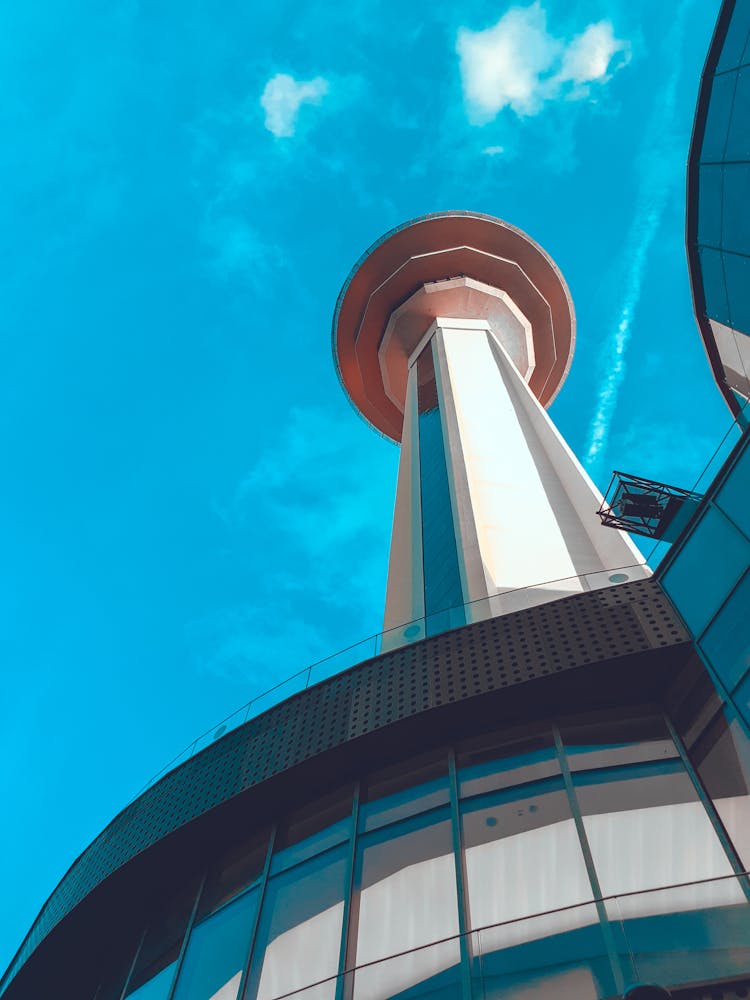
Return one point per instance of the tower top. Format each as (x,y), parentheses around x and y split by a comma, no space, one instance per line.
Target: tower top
(458,264)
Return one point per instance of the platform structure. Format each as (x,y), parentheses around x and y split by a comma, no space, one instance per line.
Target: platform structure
(452,335)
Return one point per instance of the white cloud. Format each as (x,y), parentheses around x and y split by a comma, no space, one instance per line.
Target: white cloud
(518,64)
(594,55)
(493,150)
(282,98)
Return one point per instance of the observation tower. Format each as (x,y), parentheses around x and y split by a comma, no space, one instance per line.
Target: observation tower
(452,335)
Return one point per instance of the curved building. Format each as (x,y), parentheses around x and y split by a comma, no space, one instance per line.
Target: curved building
(718,200)
(536,789)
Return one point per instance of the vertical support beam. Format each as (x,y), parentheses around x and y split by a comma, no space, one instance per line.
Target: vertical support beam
(458,854)
(348,892)
(609,941)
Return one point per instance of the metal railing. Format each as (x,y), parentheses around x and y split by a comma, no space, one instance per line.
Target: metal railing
(387,639)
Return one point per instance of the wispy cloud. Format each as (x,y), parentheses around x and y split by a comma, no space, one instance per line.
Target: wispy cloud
(518,64)
(657,181)
(282,98)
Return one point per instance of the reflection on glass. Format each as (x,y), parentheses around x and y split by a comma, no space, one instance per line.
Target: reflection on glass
(407,881)
(299,935)
(217,952)
(647,828)
(722,759)
(612,742)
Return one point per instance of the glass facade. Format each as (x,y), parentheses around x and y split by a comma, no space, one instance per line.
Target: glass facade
(719,180)
(568,862)
(708,579)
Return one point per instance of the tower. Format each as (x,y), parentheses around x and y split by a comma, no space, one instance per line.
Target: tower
(451,335)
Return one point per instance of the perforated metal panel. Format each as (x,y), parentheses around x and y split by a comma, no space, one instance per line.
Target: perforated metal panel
(586,629)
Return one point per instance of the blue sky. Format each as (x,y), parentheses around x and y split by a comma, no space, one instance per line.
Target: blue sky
(191,509)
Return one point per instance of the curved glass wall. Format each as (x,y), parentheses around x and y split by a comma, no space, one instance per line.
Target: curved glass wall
(569,863)
(720,171)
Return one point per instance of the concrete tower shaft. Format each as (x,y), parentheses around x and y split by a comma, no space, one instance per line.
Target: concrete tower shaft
(451,335)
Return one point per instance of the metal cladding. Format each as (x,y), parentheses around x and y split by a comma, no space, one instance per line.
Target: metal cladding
(432,248)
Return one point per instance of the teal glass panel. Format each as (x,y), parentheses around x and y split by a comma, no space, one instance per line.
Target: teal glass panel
(299,934)
(738,137)
(733,50)
(737,276)
(734,496)
(442,579)
(709,204)
(727,642)
(217,952)
(157,987)
(714,286)
(717,121)
(735,234)
(706,568)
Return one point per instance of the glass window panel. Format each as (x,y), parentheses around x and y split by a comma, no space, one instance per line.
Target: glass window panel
(709,204)
(734,494)
(714,286)
(717,120)
(735,38)
(154,968)
(737,275)
(704,944)
(722,758)
(727,641)
(567,966)
(612,742)
(706,568)
(404,790)
(240,869)
(525,873)
(407,897)
(647,828)
(404,804)
(735,233)
(314,830)
(738,137)
(217,951)
(157,986)
(299,934)
(487,768)
(522,858)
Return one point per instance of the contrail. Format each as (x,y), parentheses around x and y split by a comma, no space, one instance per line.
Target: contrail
(654,188)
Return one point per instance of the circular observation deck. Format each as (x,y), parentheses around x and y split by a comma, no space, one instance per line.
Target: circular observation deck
(457,264)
